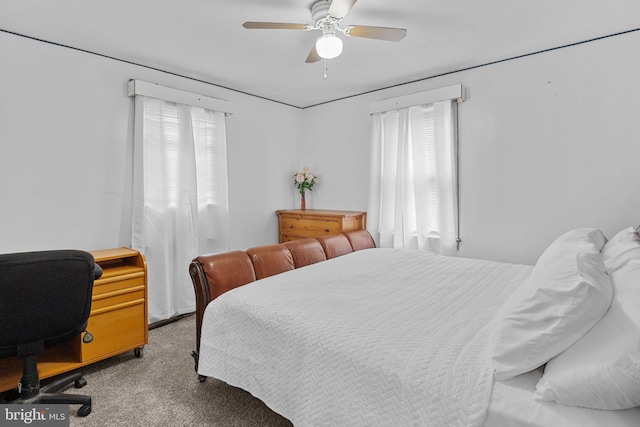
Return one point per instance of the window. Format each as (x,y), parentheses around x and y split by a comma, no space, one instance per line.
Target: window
(180,196)
(413,199)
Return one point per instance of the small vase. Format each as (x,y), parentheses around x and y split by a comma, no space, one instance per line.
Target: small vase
(303,204)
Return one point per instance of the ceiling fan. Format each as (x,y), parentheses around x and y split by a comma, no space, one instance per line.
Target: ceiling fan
(327,16)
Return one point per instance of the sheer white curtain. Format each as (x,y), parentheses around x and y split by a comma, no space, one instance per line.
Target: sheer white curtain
(413,197)
(181,206)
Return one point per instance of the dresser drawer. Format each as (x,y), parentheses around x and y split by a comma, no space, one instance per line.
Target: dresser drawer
(311,225)
(298,224)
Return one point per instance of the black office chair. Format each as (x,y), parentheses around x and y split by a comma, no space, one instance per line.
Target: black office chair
(45,299)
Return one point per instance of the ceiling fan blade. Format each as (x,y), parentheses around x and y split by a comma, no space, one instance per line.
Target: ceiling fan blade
(340,8)
(313,56)
(273,26)
(379,33)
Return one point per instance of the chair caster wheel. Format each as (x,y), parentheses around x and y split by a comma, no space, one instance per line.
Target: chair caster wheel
(79,383)
(137,352)
(84,410)
(202,378)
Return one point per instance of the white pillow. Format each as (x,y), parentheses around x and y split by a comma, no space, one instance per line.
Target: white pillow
(569,242)
(567,293)
(602,369)
(624,247)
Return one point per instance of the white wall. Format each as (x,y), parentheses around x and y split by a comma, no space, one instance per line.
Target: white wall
(548,143)
(66,144)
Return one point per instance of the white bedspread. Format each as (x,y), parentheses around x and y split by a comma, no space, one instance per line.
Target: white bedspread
(380,337)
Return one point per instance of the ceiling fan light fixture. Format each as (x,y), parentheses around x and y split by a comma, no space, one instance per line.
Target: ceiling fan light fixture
(329,46)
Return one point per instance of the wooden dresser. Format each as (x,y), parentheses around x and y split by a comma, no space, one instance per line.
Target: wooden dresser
(118,320)
(299,224)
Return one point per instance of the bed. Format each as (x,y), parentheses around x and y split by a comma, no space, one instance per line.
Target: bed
(333,331)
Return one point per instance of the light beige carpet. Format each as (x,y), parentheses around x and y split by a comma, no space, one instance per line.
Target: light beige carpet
(162,389)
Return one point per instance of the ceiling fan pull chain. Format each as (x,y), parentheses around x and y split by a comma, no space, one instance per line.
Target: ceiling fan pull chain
(325,68)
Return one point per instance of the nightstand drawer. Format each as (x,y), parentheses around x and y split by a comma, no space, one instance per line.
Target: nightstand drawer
(115,330)
(131,280)
(117,297)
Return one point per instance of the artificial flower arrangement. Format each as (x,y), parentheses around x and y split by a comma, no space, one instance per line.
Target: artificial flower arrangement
(304,180)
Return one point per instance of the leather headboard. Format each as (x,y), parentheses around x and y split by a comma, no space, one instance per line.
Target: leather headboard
(360,239)
(226,271)
(270,260)
(305,251)
(335,245)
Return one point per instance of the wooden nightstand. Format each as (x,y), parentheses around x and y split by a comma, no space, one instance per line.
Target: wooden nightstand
(118,320)
(299,224)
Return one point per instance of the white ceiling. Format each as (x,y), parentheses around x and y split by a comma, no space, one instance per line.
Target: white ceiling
(204,39)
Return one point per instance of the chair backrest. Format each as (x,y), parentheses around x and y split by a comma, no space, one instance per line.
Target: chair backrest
(45,298)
